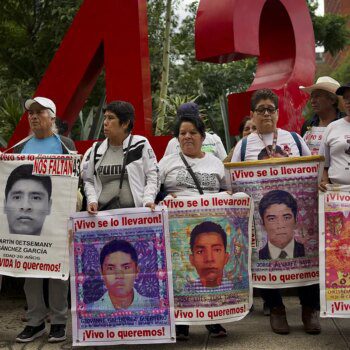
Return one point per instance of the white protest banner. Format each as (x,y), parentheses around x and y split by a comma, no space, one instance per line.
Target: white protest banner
(285,241)
(210,251)
(121,278)
(334,210)
(39,193)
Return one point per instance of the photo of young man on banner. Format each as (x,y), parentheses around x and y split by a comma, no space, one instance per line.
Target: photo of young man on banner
(35,207)
(334,215)
(119,267)
(210,238)
(285,244)
(27,201)
(335,251)
(121,272)
(278,211)
(208,242)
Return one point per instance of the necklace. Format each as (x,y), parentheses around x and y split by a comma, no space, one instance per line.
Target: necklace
(271,150)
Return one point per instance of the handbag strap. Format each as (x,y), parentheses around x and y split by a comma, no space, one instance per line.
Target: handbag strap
(194,177)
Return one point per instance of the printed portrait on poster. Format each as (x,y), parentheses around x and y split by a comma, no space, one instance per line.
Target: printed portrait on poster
(208,244)
(119,269)
(27,201)
(278,210)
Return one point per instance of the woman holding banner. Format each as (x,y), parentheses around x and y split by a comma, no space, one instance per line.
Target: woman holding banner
(272,142)
(121,171)
(192,172)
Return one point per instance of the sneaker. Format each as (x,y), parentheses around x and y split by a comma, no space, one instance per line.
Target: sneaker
(57,333)
(216,330)
(30,333)
(182,332)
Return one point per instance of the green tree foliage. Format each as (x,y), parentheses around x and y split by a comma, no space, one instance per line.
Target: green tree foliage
(30,33)
(330,30)
(156,27)
(342,73)
(206,80)
(10,111)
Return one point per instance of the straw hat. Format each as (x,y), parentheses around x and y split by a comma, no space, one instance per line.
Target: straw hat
(323,83)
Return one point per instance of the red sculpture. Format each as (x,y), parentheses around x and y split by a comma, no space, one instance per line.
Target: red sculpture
(279,32)
(109,33)
(113,34)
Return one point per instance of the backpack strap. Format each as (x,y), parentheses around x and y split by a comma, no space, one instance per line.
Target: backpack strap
(243,148)
(297,141)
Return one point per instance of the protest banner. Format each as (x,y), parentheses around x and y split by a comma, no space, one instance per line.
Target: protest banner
(121,278)
(210,252)
(334,209)
(285,237)
(39,193)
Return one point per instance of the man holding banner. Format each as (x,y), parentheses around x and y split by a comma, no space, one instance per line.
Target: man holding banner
(268,138)
(335,146)
(334,215)
(325,105)
(44,140)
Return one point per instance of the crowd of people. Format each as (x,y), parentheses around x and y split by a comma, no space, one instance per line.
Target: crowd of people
(123,172)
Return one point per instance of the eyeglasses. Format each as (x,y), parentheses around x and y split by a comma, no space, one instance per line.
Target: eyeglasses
(263,110)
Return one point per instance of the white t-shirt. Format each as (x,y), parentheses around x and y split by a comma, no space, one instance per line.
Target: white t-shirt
(176,178)
(211,144)
(313,138)
(335,148)
(256,146)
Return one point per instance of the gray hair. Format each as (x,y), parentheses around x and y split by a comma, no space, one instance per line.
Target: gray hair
(53,126)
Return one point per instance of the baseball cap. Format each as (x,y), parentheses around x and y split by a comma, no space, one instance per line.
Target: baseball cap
(189,109)
(43,101)
(340,91)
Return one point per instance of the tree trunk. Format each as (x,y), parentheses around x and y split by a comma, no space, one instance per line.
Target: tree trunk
(165,73)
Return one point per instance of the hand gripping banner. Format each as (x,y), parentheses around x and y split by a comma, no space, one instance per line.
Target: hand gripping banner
(121,278)
(38,194)
(334,210)
(210,252)
(285,240)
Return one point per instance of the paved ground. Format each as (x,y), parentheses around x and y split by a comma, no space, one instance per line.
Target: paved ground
(251,333)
